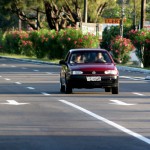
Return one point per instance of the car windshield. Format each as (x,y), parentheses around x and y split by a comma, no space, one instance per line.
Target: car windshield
(90,57)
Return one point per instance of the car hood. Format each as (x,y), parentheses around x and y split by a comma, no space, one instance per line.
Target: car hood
(91,67)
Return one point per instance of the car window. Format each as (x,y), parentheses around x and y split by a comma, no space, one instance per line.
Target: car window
(90,57)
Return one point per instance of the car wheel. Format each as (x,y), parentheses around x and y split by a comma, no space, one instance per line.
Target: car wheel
(107,89)
(115,90)
(62,87)
(68,88)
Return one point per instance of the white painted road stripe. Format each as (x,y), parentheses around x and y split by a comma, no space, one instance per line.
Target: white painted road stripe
(13,66)
(31,88)
(46,94)
(18,83)
(36,70)
(13,102)
(117,102)
(136,135)
(139,94)
(24,68)
(7,79)
(133,78)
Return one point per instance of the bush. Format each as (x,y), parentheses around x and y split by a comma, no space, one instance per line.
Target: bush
(121,48)
(141,40)
(48,43)
(110,33)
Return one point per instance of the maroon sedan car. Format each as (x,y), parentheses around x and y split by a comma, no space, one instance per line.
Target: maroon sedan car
(89,68)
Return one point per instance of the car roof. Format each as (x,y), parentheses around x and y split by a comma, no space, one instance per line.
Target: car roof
(87,49)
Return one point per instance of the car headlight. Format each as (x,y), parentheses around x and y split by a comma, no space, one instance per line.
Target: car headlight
(77,72)
(114,72)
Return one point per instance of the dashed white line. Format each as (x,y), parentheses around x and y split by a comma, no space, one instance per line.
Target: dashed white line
(48,72)
(117,102)
(36,70)
(7,79)
(31,88)
(136,135)
(18,82)
(24,68)
(46,94)
(139,94)
(13,66)
(133,78)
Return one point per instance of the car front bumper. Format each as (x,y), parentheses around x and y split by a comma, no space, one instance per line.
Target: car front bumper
(80,81)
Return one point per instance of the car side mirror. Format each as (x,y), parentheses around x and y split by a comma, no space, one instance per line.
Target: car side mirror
(61,62)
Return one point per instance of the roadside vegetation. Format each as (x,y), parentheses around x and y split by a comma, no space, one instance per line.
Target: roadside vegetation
(46,29)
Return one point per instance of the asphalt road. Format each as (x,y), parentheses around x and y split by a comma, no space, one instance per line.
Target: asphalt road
(34,115)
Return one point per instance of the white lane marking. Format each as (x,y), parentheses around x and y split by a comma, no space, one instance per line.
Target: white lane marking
(0,76)
(13,66)
(52,73)
(48,72)
(46,94)
(139,94)
(24,68)
(6,79)
(133,78)
(31,88)
(36,70)
(13,102)
(136,135)
(18,82)
(3,64)
(117,102)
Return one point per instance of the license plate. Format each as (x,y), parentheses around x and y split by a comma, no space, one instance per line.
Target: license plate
(98,78)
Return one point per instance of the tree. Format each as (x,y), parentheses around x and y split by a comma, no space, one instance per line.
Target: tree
(60,14)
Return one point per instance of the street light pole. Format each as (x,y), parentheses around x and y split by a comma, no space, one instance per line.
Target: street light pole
(85,11)
(143,7)
(122,18)
(134,18)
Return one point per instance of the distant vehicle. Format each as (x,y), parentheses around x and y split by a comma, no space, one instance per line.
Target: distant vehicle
(88,68)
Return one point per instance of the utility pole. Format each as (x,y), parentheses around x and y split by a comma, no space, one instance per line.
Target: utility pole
(20,24)
(143,9)
(85,11)
(122,18)
(134,18)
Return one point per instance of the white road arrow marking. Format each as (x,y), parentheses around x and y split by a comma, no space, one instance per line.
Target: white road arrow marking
(13,102)
(117,102)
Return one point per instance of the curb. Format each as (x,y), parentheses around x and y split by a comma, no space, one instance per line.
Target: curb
(30,60)
(132,69)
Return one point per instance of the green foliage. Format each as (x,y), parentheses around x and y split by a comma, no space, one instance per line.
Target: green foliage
(112,9)
(108,35)
(141,40)
(11,42)
(47,43)
(120,48)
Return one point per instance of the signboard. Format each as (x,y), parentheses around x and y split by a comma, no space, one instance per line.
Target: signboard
(95,28)
(112,20)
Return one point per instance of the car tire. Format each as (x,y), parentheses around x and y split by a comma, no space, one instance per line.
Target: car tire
(107,89)
(62,87)
(115,90)
(68,88)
